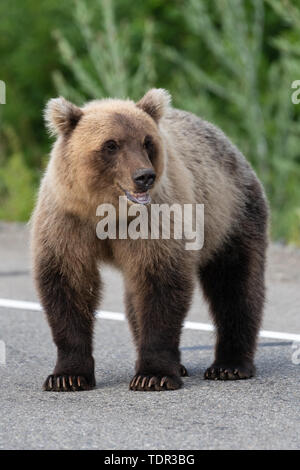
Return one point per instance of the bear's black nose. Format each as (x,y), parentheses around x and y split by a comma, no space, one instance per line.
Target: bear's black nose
(144,178)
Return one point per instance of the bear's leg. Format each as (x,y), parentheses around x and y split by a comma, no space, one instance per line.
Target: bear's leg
(161,301)
(132,316)
(233,284)
(133,323)
(69,294)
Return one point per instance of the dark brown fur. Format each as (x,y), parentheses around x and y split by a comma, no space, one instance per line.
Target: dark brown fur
(233,283)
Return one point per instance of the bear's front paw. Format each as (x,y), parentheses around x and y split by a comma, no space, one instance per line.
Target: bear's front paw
(154,383)
(229,371)
(68,383)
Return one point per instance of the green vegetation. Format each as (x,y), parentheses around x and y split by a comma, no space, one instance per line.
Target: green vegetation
(230,61)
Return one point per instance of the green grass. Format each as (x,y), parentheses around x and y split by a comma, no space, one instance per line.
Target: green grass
(18,187)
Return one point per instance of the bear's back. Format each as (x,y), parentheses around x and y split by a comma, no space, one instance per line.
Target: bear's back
(200,141)
(219,176)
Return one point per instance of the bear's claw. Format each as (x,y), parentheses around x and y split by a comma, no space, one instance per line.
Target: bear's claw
(152,383)
(183,371)
(229,372)
(67,383)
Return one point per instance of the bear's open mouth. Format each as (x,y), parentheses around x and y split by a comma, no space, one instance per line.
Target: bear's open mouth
(139,198)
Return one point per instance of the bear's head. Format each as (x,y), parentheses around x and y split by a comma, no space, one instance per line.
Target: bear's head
(108,148)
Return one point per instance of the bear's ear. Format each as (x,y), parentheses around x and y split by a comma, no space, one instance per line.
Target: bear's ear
(61,116)
(155,103)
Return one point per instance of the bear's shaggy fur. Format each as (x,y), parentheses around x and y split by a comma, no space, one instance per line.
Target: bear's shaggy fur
(99,150)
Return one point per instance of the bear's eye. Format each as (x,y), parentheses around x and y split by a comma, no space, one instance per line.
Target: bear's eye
(111,146)
(149,146)
(148,143)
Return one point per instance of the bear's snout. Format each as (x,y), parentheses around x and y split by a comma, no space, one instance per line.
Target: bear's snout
(144,178)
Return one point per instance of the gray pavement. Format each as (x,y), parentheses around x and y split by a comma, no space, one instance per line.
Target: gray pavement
(262,413)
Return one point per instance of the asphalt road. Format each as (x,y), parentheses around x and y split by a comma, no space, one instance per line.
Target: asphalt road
(261,413)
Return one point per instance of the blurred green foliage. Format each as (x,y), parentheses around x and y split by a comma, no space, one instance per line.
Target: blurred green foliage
(230,61)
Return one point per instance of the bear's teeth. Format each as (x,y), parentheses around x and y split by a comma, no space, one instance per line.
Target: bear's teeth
(140,198)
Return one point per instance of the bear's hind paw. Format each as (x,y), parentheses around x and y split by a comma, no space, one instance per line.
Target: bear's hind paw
(229,372)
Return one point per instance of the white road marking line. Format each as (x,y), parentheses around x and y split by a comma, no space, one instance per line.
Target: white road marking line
(189,325)
(22,304)
(110,315)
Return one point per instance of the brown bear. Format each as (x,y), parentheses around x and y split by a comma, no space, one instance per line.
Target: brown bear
(153,154)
